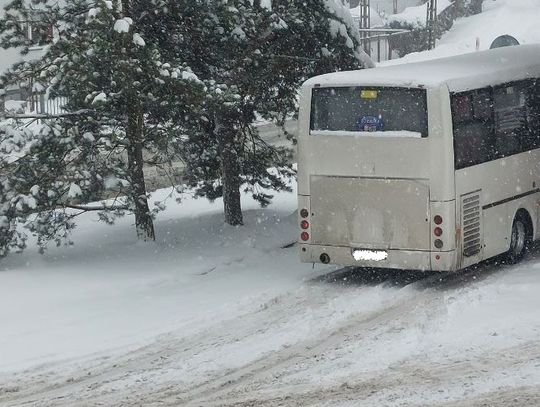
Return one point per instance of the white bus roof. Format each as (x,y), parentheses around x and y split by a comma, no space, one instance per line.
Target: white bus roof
(463,72)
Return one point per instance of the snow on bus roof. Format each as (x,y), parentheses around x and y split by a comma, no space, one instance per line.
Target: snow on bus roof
(463,72)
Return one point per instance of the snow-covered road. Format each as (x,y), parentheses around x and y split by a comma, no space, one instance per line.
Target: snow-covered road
(344,338)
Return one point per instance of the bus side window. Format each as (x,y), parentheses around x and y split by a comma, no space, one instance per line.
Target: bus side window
(482,104)
(533,114)
(319,110)
(511,130)
(472,116)
(462,108)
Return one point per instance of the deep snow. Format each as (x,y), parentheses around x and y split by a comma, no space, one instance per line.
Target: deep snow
(109,291)
(518,18)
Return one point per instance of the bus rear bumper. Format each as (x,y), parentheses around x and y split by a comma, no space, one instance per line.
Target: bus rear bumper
(396,259)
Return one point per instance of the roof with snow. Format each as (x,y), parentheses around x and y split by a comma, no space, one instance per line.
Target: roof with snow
(459,73)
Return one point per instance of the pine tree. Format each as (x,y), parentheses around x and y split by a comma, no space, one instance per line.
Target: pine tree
(252,60)
(126,104)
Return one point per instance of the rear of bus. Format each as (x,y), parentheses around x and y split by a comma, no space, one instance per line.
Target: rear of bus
(376,175)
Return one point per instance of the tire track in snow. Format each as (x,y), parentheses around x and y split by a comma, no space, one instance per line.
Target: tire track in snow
(515,397)
(168,346)
(138,376)
(468,383)
(435,381)
(422,294)
(308,349)
(305,353)
(49,385)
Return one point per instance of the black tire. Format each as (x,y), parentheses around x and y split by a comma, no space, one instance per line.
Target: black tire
(520,239)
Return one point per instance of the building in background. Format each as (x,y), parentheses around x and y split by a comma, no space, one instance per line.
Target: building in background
(27,97)
(372,17)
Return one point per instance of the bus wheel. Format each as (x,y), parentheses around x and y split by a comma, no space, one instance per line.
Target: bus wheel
(519,240)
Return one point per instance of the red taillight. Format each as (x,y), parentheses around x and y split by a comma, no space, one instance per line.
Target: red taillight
(304,224)
(438,232)
(304,213)
(437,219)
(304,236)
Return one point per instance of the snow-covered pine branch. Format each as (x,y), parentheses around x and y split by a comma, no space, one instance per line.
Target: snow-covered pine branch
(124,97)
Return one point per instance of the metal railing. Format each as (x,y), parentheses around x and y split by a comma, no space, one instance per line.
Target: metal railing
(376,42)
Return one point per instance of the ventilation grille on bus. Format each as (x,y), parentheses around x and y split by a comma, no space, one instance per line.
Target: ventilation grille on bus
(471,225)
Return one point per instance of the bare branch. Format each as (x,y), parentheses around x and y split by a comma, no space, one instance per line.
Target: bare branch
(86,208)
(44,116)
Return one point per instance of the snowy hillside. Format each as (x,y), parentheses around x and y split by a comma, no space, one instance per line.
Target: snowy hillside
(109,291)
(518,18)
(410,12)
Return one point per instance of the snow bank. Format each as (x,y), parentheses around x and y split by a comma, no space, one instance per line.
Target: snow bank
(110,291)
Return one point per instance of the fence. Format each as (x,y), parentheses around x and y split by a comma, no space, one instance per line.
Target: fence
(18,101)
(376,42)
(41,104)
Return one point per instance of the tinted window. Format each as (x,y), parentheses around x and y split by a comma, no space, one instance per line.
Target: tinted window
(495,122)
(533,115)
(472,114)
(369,109)
(510,118)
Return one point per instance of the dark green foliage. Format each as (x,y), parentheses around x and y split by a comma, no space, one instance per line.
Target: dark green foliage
(253,61)
(124,98)
(416,40)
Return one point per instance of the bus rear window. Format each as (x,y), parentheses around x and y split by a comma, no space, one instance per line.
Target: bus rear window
(360,109)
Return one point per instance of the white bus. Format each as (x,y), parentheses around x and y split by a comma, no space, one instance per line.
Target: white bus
(423,166)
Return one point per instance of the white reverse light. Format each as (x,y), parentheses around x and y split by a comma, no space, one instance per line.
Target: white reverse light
(370,255)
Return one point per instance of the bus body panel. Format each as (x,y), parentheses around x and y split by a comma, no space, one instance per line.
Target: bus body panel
(370,213)
(505,186)
(358,157)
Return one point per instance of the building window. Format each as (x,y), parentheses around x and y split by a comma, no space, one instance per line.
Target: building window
(38,32)
(473,124)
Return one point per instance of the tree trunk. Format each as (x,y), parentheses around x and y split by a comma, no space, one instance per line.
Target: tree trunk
(230,174)
(144,223)
(231,187)
(143,219)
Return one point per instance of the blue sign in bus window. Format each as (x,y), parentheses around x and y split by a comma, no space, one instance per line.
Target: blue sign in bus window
(370,123)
